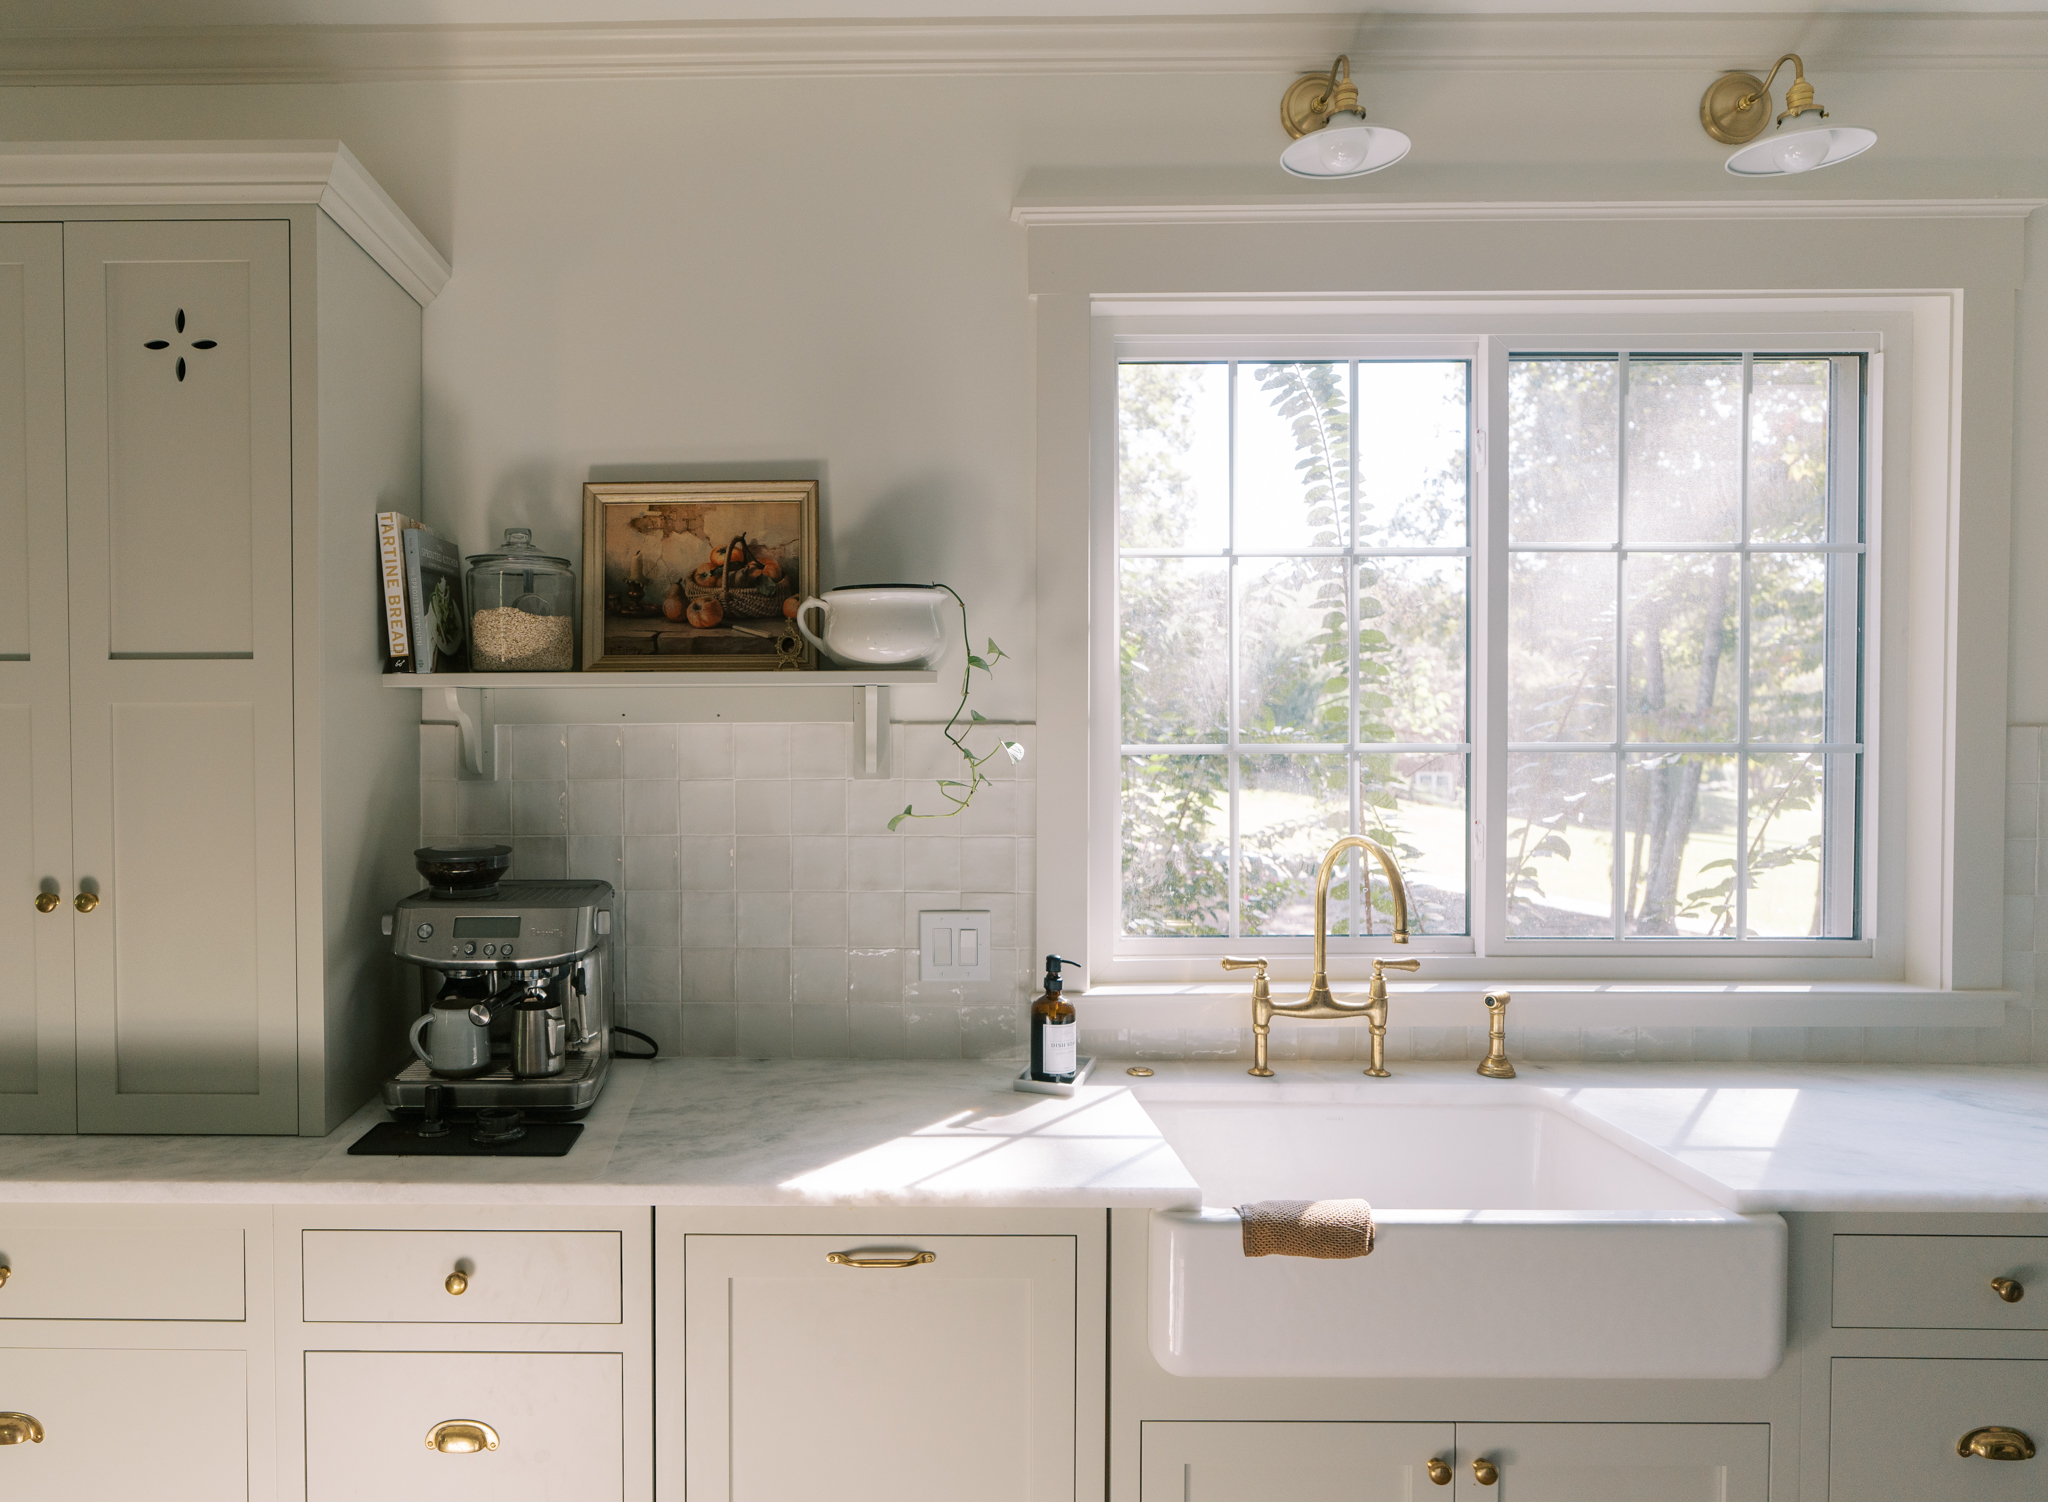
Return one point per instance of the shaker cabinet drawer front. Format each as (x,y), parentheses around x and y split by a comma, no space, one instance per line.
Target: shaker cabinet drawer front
(462,1277)
(172,1273)
(1941,1282)
(1917,1430)
(171,1426)
(443,1427)
(1236,1460)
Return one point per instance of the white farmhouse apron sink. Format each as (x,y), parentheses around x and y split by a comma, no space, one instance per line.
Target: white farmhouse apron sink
(1518,1237)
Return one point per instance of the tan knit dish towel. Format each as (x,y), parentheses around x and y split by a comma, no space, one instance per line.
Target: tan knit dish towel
(1307,1228)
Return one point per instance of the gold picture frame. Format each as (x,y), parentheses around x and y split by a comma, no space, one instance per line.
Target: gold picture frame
(697,577)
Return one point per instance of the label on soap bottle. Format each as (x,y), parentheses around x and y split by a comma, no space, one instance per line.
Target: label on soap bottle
(1059,1047)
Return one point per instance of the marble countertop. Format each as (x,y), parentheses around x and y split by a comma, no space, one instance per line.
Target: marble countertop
(736,1132)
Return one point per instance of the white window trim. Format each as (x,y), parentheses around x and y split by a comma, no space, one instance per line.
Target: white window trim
(1914,479)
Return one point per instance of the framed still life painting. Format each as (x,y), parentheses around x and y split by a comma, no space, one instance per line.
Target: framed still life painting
(698,577)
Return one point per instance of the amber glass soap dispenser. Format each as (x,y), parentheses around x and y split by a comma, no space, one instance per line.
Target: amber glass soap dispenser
(1055,1030)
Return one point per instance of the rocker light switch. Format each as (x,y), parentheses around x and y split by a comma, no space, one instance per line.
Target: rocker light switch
(953,945)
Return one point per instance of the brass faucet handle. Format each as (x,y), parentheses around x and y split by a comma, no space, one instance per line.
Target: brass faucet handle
(1379,964)
(1240,962)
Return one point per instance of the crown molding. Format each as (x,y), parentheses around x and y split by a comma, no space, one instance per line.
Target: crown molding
(1034,216)
(1078,45)
(58,174)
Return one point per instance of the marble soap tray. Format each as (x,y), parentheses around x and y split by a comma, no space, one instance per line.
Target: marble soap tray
(1031,1086)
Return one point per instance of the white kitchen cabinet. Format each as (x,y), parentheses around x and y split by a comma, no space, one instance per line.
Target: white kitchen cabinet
(471,1277)
(1897,1425)
(143,1270)
(201,411)
(1940,1282)
(171,1426)
(439,1426)
(876,1368)
(1614,1462)
(1292,1462)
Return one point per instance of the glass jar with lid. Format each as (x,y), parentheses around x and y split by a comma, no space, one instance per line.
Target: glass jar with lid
(522,609)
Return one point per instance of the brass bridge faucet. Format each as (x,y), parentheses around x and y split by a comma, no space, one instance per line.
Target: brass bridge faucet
(1319,1002)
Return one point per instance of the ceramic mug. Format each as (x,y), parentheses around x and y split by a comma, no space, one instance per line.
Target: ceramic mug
(876,625)
(454,1044)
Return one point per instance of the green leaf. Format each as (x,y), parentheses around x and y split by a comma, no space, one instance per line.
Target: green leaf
(1016,751)
(899,818)
(977,716)
(976,662)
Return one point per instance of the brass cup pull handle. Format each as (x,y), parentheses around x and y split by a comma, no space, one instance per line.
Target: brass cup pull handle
(1438,1472)
(85,902)
(456,1283)
(462,1437)
(48,902)
(1995,1442)
(2009,1289)
(847,1259)
(20,1429)
(1485,1472)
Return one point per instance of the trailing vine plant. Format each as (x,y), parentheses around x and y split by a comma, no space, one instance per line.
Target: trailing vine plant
(961,794)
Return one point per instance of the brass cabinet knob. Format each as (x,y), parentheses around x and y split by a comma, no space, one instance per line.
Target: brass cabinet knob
(1995,1442)
(47,902)
(462,1437)
(6,1272)
(85,902)
(20,1429)
(2009,1289)
(1485,1472)
(1438,1472)
(456,1283)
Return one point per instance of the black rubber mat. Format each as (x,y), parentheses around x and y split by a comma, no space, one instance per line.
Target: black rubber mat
(393,1139)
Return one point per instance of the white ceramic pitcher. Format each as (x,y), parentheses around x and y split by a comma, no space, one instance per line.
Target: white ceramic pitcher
(876,625)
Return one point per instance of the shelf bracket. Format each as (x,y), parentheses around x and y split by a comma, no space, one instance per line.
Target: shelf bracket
(871,736)
(469,710)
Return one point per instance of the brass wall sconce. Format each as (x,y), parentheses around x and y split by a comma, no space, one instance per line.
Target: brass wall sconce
(1737,107)
(1331,139)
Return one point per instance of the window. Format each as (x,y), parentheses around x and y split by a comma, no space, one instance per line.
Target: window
(1638,636)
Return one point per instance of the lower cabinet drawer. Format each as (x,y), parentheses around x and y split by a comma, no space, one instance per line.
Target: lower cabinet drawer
(463,1277)
(385,1426)
(1941,1282)
(171,1426)
(108,1272)
(1900,1430)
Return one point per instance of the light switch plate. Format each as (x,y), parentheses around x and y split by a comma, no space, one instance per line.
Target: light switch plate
(952,945)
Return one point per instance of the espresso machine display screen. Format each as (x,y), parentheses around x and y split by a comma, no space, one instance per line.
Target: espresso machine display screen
(487,928)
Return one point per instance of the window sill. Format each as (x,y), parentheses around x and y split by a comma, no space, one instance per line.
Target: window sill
(1453,1003)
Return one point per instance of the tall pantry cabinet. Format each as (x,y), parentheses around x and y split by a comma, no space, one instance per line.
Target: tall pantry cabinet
(209,385)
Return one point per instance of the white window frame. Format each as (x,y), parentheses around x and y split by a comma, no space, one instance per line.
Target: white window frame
(1898,493)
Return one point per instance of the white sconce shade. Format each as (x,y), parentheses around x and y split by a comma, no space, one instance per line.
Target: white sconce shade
(1802,145)
(1331,139)
(1736,110)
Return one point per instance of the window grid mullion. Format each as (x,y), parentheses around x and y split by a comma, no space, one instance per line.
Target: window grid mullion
(1618,875)
(1741,851)
(1354,762)
(1230,628)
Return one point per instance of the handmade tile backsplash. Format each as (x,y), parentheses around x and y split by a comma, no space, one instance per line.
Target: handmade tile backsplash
(770,913)
(768,910)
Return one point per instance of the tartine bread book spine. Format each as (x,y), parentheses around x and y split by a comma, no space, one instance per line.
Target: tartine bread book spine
(391,565)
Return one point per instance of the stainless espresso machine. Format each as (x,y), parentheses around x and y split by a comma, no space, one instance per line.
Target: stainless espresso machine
(528,961)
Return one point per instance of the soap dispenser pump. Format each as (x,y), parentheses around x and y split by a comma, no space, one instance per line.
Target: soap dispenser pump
(1055,1030)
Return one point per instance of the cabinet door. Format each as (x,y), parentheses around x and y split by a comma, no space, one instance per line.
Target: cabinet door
(931,1382)
(554,1424)
(1896,1425)
(35,690)
(1616,1462)
(1290,1462)
(171,1426)
(178,340)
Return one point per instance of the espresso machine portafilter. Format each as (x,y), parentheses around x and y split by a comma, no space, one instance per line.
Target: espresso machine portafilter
(533,961)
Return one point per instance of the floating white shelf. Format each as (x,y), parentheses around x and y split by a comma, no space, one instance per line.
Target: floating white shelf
(465,700)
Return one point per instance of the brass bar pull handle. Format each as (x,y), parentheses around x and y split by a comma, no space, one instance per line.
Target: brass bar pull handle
(847,1259)
(48,902)
(2009,1289)
(457,1283)
(462,1437)
(1439,1473)
(20,1429)
(85,902)
(1995,1442)
(1485,1472)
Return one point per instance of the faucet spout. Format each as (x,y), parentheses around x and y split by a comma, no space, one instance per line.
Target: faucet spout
(1319,985)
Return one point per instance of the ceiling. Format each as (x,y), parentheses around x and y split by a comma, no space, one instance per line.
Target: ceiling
(55,15)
